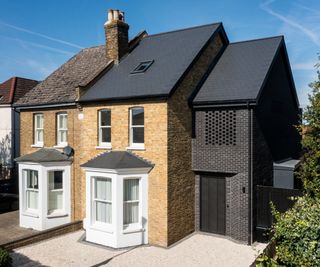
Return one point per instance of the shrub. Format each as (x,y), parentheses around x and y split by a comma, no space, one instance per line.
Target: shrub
(297,234)
(5,258)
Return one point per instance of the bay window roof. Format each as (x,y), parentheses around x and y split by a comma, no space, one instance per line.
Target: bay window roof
(117,160)
(44,155)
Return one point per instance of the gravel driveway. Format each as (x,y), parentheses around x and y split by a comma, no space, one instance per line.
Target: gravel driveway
(196,250)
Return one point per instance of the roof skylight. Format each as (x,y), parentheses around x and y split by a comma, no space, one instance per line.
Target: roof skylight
(142,67)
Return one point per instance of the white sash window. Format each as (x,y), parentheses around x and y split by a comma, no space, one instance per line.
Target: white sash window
(102,200)
(38,129)
(32,189)
(131,201)
(62,129)
(55,196)
(105,128)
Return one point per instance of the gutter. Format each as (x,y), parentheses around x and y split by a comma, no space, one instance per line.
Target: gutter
(44,106)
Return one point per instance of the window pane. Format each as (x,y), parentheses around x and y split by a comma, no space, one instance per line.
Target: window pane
(138,135)
(103,189)
(63,136)
(55,200)
(105,135)
(103,212)
(105,118)
(131,189)
(55,180)
(137,116)
(32,200)
(39,135)
(131,213)
(32,179)
(63,121)
(39,121)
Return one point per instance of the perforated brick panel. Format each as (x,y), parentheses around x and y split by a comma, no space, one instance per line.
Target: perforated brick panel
(220,128)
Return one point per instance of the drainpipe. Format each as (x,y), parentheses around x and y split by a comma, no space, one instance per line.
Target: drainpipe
(250,172)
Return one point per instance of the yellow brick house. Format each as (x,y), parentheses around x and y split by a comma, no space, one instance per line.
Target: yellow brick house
(106,138)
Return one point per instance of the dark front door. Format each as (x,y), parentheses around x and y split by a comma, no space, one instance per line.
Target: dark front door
(213,204)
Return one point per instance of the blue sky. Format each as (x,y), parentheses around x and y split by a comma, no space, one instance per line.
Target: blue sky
(37,36)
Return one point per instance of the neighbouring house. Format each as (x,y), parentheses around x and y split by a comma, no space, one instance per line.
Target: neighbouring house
(10,92)
(151,139)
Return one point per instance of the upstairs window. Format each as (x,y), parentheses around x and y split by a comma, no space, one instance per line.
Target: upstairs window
(142,67)
(38,129)
(62,129)
(137,127)
(105,128)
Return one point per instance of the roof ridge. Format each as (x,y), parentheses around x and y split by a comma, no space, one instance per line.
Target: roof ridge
(183,29)
(139,157)
(257,39)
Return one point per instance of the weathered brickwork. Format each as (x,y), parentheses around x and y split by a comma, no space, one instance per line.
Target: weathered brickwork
(231,160)
(180,176)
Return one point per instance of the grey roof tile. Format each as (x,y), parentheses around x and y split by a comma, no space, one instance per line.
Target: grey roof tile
(117,160)
(240,72)
(172,53)
(44,155)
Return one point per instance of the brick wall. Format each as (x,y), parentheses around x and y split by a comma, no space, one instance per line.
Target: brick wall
(230,161)
(180,176)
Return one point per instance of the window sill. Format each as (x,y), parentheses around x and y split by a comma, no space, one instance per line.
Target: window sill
(104,147)
(56,215)
(133,229)
(37,146)
(133,147)
(30,214)
(103,228)
(60,146)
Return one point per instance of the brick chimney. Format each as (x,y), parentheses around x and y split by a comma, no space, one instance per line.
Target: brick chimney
(116,31)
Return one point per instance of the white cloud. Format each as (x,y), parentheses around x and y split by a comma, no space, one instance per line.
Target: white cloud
(24,43)
(303,66)
(312,35)
(40,35)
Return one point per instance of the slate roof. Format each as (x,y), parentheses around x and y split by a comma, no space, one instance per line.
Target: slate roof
(44,155)
(15,88)
(240,72)
(117,160)
(172,53)
(60,86)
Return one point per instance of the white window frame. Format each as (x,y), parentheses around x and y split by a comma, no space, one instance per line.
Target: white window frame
(59,130)
(62,210)
(38,129)
(138,223)
(95,200)
(104,144)
(30,189)
(132,144)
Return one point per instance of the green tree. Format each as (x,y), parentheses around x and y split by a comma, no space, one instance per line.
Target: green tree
(297,231)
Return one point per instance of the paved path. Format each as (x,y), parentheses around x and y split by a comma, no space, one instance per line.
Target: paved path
(9,227)
(197,250)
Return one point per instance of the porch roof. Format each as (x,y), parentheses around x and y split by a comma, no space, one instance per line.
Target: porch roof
(117,160)
(44,155)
